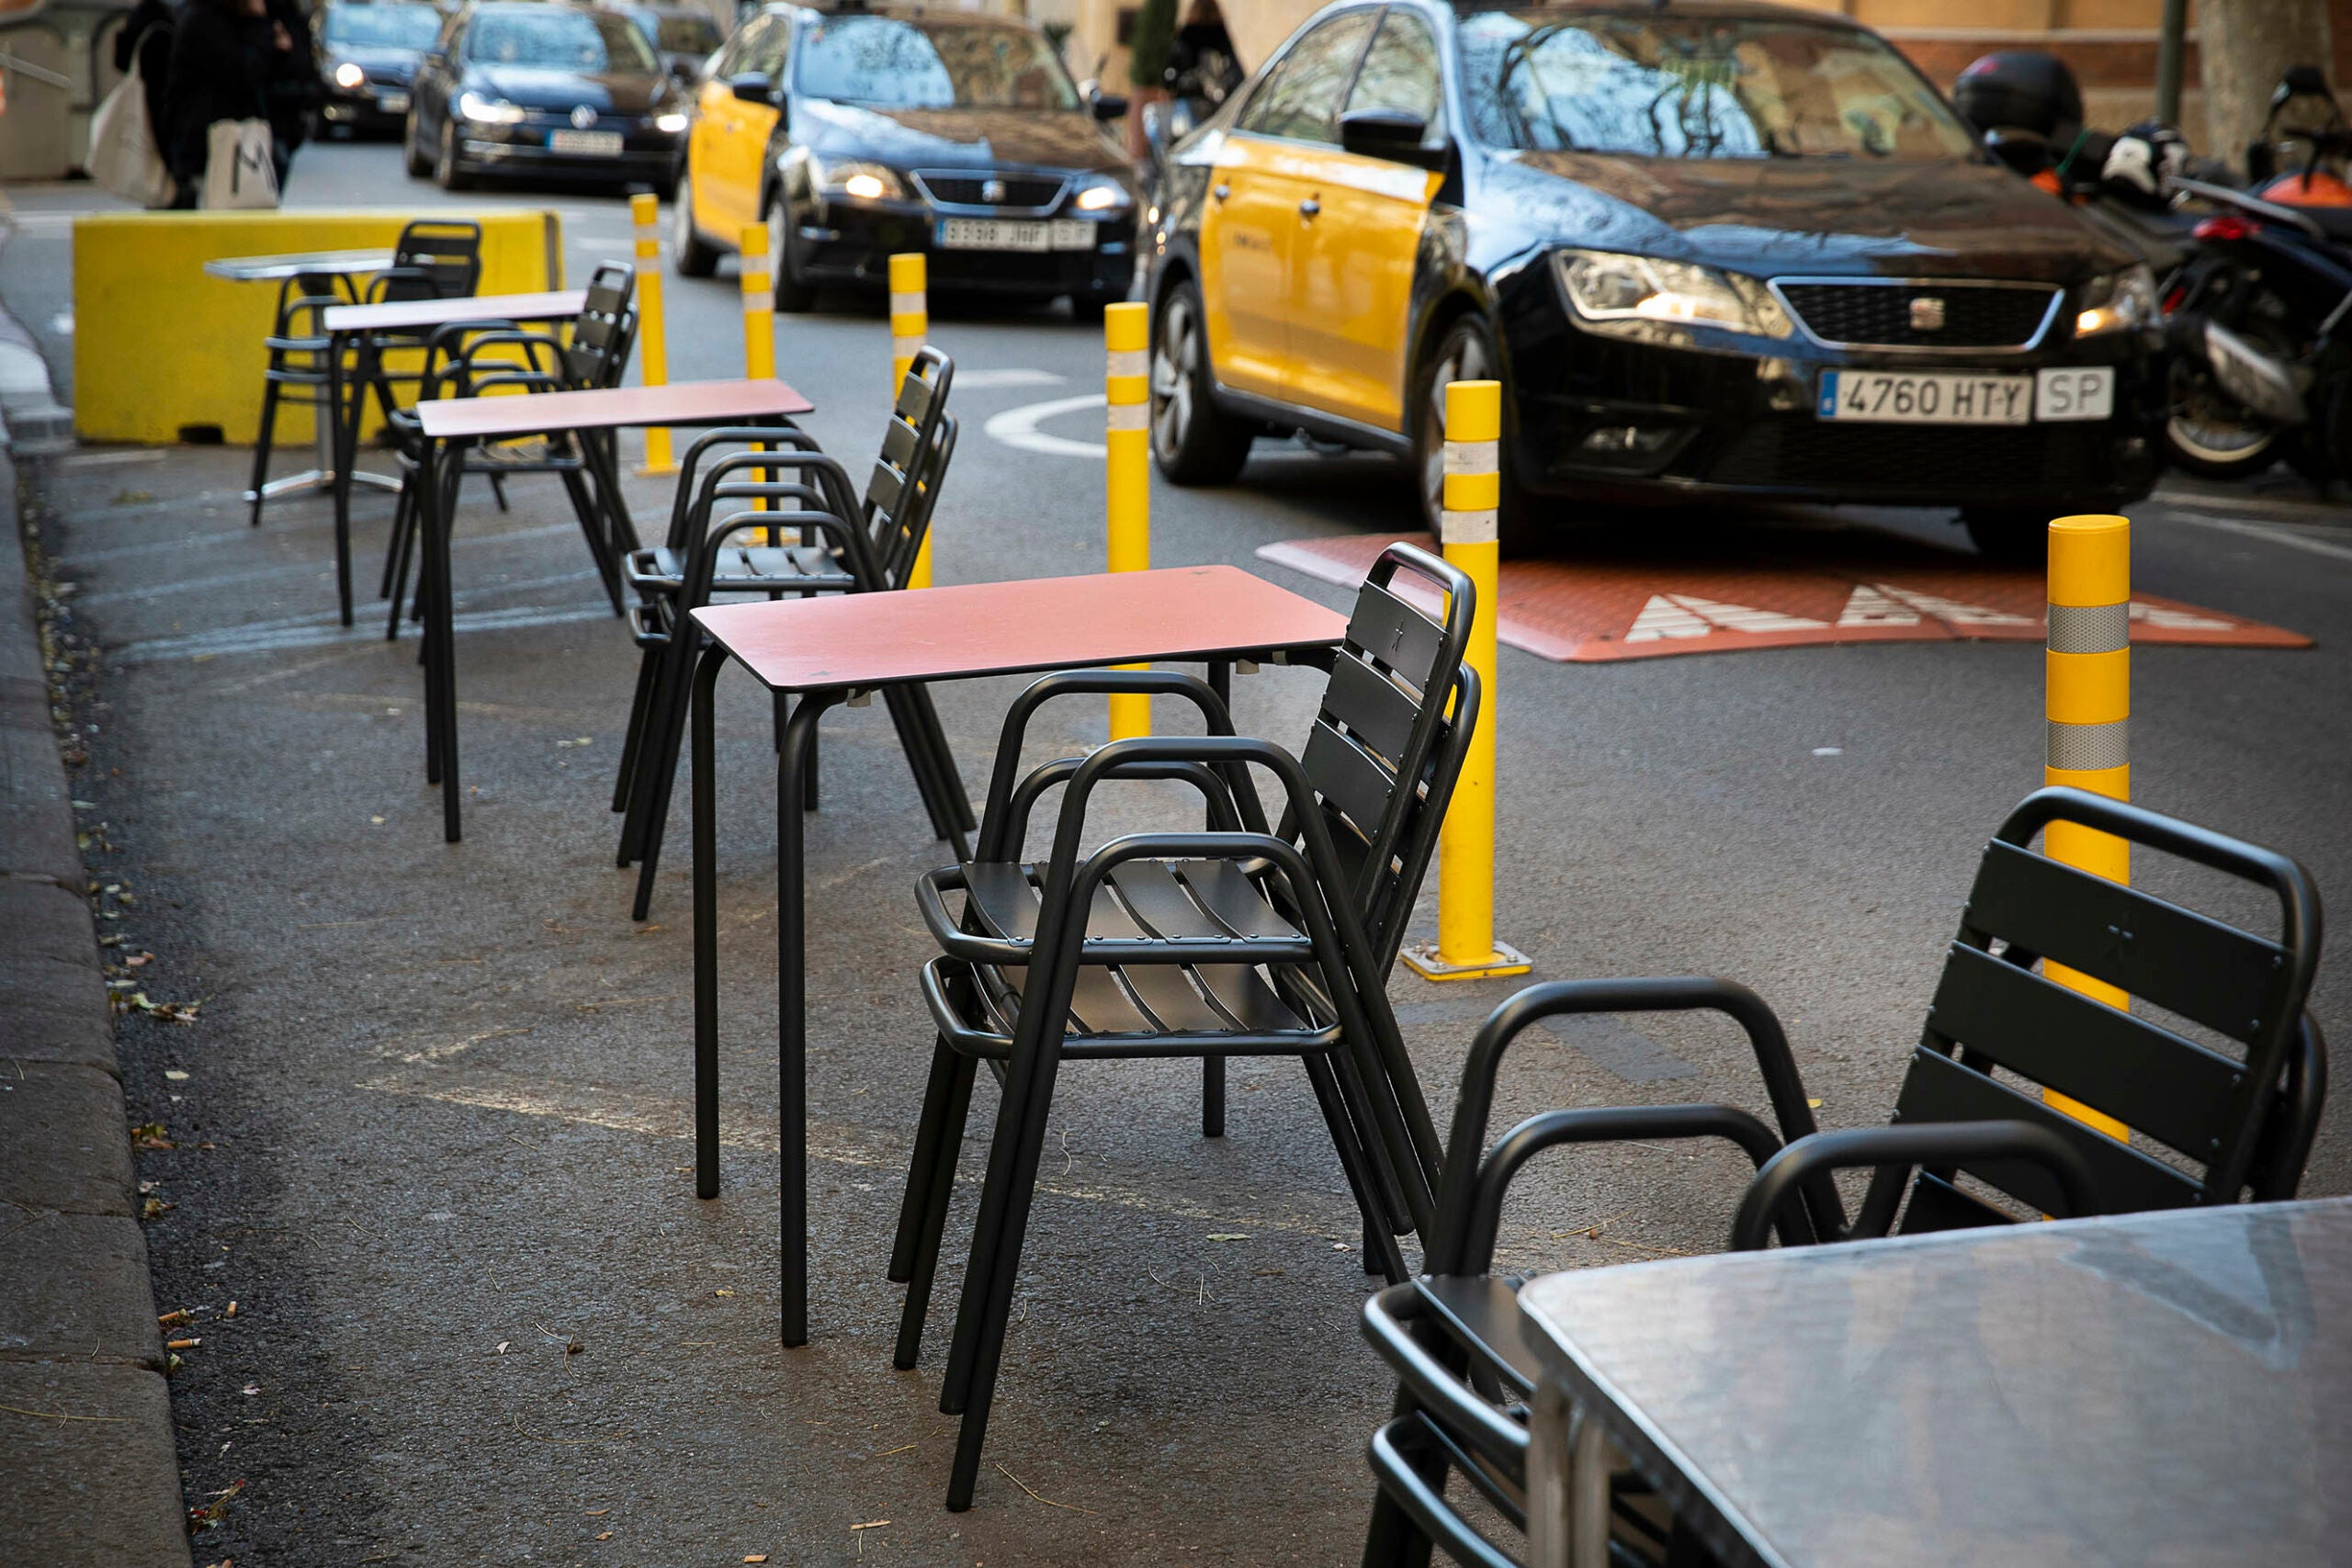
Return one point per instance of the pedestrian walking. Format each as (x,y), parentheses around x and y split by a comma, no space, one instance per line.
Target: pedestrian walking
(146,40)
(295,89)
(222,54)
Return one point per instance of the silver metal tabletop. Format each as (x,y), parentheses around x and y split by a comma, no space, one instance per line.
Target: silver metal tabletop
(272,269)
(2170,1388)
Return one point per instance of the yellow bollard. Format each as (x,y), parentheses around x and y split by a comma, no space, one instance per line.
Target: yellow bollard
(759,305)
(653,348)
(2088,670)
(910,324)
(1466,947)
(1127,335)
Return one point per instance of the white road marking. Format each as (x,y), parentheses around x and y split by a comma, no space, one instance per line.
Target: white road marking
(1012,376)
(2271,536)
(1018,427)
(323,632)
(107,459)
(323,569)
(1685,614)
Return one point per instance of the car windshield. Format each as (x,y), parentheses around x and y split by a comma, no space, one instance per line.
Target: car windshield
(884,63)
(559,38)
(1660,86)
(686,34)
(384,27)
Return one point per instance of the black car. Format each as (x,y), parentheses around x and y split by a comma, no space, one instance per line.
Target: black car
(546,90)
(367,52)
(1711,248)
(859,133)
(685,36)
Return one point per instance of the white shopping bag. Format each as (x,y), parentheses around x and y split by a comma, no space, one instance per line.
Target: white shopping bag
(239,169)
(123,158)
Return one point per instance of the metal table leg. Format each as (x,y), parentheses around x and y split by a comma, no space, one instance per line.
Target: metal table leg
(792,1008)
(706,883)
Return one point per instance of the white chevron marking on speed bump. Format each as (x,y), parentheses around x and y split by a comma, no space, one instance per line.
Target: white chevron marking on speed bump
(1884,605)
(1684,615)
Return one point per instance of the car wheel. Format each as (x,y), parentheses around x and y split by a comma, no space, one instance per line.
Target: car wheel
(792,296)
(413,150)
(1465,353)
(1193,441)
(446,172)
(694,254)
(2012,535)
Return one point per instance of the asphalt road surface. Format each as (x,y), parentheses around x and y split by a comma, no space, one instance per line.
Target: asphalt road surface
(430,1125)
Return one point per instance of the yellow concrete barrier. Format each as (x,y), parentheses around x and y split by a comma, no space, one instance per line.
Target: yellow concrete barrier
(652,338)
(1126,339)
(160,347)
(2089,697)
(1466,947)
(910,325)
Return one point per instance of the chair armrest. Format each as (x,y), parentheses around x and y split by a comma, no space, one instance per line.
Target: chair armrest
(1224,815)
(1435,1387)
(995,844)
(1474,1105)
(1423,1503)
(1932,1144)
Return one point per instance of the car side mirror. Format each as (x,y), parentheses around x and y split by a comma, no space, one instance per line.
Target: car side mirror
(1394,135)
(1108,106)
(753,88)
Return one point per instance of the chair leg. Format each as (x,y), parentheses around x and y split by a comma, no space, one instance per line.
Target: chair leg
(1003,1269)
(396,557)
(649,665)
(954,781)
(914,742)
(599,545)
(939,1187)
(1354,1162)
(261,446)
(654,819)
(393,539)
(498,491)
(910,1206)
(1211,1097)
(1393,1539)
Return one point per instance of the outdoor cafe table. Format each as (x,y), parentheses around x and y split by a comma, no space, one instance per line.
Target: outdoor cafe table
(418,318)
(825,650)
(449,424)
(2171,1388)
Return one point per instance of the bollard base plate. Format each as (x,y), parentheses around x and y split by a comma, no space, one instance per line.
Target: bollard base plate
(646,471)
(1420,955)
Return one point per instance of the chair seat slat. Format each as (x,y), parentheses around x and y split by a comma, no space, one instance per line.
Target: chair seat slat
(1938,1089)
(2224,978)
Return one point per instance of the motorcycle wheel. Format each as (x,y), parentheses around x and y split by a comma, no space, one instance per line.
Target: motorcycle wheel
(2211,434)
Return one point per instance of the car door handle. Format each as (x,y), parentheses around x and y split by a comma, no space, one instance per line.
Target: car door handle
(1309,207)
(1221,192)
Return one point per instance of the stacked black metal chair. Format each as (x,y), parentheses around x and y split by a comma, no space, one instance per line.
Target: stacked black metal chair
(476,358)
(1234,940)
(726,540)
(1973,1141)
(435,258)
(300,371)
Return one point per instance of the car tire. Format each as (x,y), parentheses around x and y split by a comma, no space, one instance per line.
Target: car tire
(792,296)
(694,256)
(2208,434)
(1192,440)
(446,172)
(2012,535)
(413,152)
(1463,351)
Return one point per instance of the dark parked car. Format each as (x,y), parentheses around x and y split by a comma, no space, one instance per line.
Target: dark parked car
(1711,248)
(862,133)
(547,90)
(367,52)
(685,36)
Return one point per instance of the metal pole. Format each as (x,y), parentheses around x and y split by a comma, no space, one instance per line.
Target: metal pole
(1466,948)
(2088,674)
(910,325)
(1127,335)
(654,345)
(2172,49)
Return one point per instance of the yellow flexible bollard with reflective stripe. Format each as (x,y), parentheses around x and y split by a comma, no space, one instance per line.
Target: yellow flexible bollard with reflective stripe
(2088,674)
(1127,338)
(1466,947)
(910,325)
(653,342)
(759,322)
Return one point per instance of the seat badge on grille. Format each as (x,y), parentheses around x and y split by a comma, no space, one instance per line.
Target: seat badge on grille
(992,191)
(583,116)
(1927,313)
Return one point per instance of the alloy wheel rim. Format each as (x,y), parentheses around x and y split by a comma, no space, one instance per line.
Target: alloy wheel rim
(1171,381)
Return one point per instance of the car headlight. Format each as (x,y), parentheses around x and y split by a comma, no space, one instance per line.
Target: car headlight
(1100,193)
(669,124)
(489,111)
(1645,297)
(2117,302)
(858,181)
(349,75)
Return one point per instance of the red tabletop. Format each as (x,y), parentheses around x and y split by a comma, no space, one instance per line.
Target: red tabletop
(407,314)
(681,402)
(1182,613)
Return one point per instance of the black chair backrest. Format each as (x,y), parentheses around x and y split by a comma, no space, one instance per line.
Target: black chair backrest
(2215,1106)
(905,484)
(1391,732)
(608,326)
(435,258)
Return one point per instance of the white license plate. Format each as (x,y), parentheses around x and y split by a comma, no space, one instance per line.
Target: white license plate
(1953,397)
(392,103)
(1010,234)
(598,143)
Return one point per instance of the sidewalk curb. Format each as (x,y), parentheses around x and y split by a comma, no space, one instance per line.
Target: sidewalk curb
(85,1411)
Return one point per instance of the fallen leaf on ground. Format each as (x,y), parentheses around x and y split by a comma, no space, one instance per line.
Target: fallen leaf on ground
(231,1310)
(1228,1235)
(606,1535)
(868,1525)
(155,1208)
(150,1135)
(175,1075)
(756,1557)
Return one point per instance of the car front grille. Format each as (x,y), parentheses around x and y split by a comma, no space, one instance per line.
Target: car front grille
(1881,315)
(969,188)
(1933,461)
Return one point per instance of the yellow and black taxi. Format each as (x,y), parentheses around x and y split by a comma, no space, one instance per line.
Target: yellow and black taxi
(861,131)
(1710,248)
